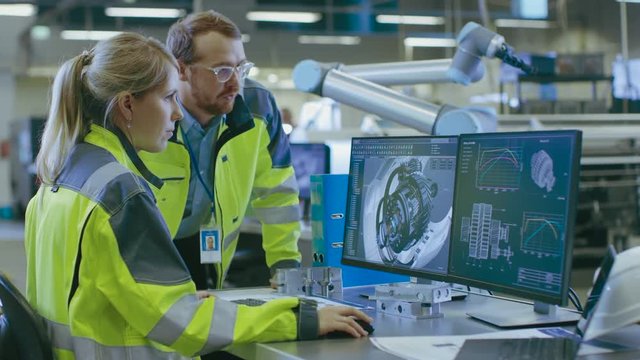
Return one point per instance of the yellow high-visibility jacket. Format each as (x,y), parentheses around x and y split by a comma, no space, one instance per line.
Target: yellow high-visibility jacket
(103,271)
(252,169)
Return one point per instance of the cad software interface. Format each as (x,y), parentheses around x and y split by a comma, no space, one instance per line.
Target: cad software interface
(512,210)
(399,207)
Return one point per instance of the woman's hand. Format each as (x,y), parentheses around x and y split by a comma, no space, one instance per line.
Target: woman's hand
(202,294)
(341,318)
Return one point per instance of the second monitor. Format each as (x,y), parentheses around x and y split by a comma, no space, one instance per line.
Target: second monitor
(514,217)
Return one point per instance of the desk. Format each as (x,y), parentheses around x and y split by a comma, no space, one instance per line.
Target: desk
(454,322)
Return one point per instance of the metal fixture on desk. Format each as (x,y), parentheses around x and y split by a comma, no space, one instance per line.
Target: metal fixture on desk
(411,300)
(310,281)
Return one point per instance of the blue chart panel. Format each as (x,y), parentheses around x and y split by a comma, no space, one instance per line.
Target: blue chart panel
(542,233)
(499,168)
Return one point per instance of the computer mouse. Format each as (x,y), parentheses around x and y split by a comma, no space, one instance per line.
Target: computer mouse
(343,335)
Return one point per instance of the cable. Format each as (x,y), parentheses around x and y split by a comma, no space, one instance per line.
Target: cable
(505,54)
(575,300)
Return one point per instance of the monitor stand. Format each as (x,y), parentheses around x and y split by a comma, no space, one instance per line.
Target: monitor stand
(543,314)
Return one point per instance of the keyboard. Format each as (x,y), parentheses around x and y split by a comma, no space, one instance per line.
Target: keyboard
(249,302)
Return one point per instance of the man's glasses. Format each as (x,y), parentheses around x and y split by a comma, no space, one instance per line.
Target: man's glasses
(224,73)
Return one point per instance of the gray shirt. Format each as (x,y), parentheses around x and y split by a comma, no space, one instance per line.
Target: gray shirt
(200,142)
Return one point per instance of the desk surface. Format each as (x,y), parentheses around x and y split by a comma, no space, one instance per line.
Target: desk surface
(454,322)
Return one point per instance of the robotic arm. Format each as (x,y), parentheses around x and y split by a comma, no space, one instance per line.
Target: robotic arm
(361,86)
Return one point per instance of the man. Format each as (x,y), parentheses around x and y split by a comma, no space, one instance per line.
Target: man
(239,153)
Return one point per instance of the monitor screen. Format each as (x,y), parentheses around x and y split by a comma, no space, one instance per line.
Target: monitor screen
(309,159)
(398,214)
(514,214)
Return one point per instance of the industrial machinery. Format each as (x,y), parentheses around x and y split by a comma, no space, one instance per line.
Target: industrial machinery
(363,86)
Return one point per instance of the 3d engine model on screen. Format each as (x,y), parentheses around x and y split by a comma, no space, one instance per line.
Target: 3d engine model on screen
(402,217)
(542,170)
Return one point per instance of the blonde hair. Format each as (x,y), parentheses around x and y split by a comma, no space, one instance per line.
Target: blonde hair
(87,87)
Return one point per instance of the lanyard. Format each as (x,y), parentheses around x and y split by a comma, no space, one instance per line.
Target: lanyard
(194,161)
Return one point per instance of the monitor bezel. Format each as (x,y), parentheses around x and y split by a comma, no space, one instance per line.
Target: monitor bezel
(327,161)
(572,197)
(376,266)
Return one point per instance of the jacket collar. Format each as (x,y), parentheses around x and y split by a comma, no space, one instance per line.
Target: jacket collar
(115,141)
(240,117)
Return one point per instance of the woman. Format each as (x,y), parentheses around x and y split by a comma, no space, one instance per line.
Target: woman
(101,267)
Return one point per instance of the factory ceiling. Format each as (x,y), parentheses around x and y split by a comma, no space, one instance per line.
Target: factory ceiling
(279,44)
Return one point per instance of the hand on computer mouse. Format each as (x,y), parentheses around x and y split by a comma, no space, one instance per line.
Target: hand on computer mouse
(342,318)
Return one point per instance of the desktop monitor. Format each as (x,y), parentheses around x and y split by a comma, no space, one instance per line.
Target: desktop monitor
(515,205)
(399,204)
(309,159)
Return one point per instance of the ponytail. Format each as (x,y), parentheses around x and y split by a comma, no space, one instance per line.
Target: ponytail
(65,123)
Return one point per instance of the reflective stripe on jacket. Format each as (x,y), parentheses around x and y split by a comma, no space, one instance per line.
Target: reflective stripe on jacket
(252,170)
(103,272)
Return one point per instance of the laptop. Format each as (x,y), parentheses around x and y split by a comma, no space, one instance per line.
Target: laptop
(542,348)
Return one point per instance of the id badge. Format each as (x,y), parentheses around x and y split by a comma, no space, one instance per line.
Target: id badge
(210,243)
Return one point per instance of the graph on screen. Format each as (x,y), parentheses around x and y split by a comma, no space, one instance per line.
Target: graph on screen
(542,233)
(499,168)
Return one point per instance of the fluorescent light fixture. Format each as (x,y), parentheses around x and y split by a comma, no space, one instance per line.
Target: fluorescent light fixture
(284,16)
(40,32)
(410,19)
(42,71)
(429,42)
(328,40)
(144,12)
(87,34)
(629,1)
(17,10)
(530,9)
(521,23)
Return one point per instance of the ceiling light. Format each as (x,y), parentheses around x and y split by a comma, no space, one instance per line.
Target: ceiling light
(87,34)
(40,32)
(629,1)
(272,78)
(429,42)
(410,19)
(284,16)
(328,40)
(144,12)
(42,71)
(521,23)
(17,10)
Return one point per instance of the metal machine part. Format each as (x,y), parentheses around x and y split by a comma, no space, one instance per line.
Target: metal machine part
(403,215)
(310,281)
(415,301)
